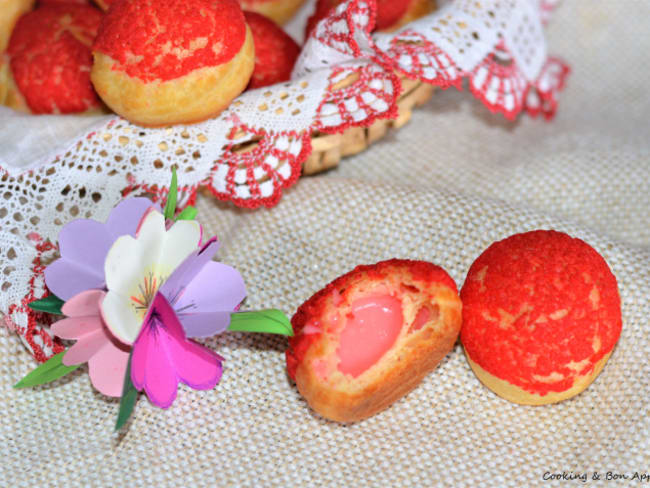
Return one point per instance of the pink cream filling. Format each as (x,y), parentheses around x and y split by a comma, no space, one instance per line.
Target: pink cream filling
(371,328)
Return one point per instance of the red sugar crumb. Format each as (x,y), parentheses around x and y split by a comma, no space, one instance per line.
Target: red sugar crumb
(539,309)
(167,39)
(275,51)
(51,60)
(314,308)
(389,12)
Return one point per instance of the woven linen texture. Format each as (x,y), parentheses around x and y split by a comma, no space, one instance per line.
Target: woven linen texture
(452,181)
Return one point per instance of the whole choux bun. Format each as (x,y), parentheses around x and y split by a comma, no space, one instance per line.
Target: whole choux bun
(541,316)
(161,62)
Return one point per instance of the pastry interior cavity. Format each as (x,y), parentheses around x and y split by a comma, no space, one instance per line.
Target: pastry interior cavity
(368,325)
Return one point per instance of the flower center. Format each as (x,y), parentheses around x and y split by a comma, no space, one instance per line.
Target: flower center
(145,292)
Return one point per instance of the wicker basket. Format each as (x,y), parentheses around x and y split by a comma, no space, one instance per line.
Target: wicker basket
(328,149)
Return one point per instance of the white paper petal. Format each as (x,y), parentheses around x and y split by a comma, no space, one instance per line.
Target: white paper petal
(130,259)
(179,241)
(120,317)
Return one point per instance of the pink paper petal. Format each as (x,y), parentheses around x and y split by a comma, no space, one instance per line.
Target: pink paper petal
(139,358)
(83,304)
(151,367)
(85,348)
(108,367)
(162,356)
(76,327)
(196,366)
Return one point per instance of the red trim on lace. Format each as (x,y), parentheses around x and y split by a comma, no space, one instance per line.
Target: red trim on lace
(354,95)
(499,83)
(36,320)
(439,69)
(543,94)
(255,158)
(345,42)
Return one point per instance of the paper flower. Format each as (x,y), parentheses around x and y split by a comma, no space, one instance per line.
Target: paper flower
(204,293)
(133,290)
(107,358)
(83,245)
(162,357)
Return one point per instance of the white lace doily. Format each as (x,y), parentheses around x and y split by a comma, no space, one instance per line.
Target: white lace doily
(59,168)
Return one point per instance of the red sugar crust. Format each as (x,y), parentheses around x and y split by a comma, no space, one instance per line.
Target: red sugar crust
(539,309)
(275,51)
(51,59)
(314,307)
(168,39)
(389,12)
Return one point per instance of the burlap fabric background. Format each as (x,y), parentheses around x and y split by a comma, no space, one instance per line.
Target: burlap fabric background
(443,188)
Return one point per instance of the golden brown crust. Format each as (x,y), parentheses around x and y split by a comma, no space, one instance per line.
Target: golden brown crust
(280,11)
(516,394)
(415,353)
(9,93)
(10,12)
(202,94)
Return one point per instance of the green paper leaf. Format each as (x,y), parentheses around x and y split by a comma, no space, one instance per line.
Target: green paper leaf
(172,196)
(49,304)
(270,321)
(47,372)
(129,396)
(188,213)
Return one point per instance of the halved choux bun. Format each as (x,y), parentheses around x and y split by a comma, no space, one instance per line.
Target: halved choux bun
(541,316)
(10,12)
(370,337)
(154,70)
(280,11)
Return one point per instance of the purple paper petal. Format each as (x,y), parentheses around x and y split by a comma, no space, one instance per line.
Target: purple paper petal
(205,324)
(126,216)
(174,286)
(66,279)
(84,244)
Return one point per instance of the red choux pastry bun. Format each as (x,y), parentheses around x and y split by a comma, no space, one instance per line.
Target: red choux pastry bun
(50,60)
(160,62)
(280,11)
(275,51)
(10,12)
(391,14)
(371,335)
(541,316)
